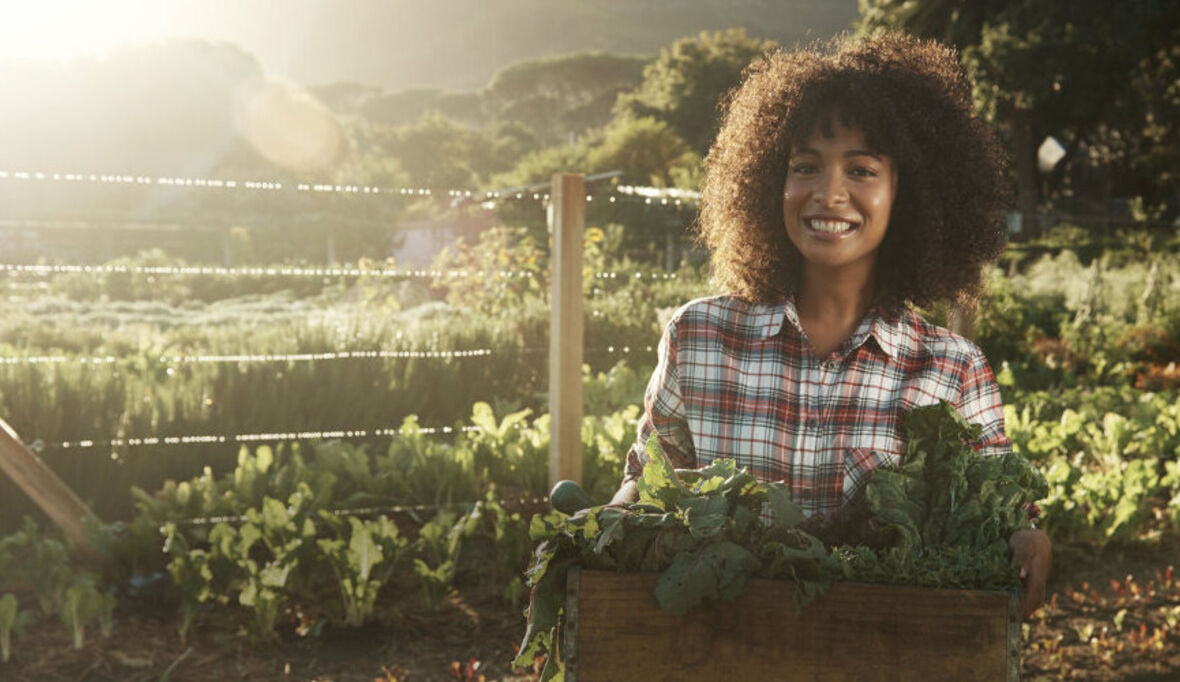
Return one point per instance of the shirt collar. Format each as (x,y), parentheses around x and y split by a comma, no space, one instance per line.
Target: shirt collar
(884,328)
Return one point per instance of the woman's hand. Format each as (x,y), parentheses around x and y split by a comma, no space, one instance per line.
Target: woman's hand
(628,493)
(1033,554)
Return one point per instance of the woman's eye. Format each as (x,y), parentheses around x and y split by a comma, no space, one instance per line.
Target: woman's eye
(803,168)
(863,172)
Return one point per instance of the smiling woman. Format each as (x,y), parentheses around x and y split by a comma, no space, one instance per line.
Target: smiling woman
(63,29)
(849,184)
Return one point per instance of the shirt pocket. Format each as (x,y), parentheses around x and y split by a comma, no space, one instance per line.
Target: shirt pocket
(863,457)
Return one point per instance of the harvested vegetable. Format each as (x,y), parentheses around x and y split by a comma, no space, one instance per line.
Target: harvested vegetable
(941,518)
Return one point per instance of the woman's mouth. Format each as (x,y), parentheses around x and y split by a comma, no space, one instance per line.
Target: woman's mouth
(832,226)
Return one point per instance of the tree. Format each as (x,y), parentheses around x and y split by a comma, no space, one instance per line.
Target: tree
(1074,70)
(540,165)
(685,85)
(648,152)
(437,153)
(954,22)
(434,151)
(559,96)
(407,106)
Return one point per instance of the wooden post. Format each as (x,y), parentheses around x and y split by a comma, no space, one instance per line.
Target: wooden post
(567,218)
(39,482)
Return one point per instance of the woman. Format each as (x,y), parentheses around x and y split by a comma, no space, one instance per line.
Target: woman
(847,184)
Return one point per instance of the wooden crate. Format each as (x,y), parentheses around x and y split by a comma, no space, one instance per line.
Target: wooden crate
(615,631)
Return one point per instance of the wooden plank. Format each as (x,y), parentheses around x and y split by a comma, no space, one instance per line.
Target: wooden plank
(54,497)
(567,220)
(854,632)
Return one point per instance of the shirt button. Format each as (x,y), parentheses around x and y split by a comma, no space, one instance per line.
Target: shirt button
(811,423)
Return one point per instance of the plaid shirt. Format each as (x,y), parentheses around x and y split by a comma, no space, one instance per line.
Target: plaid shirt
(740,380)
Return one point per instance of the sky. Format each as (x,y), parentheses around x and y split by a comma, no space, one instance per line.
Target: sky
(394,44)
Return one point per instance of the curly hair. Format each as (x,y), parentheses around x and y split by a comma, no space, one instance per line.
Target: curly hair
(913,102)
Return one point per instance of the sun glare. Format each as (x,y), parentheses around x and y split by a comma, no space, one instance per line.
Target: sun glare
(61,29)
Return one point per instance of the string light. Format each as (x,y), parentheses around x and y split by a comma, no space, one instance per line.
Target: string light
(342,355)
(258,358)
(666,195)
(265,271)
(659,192)
(295,357)
(624,349)
(193,270)
(211,439)
(637,275)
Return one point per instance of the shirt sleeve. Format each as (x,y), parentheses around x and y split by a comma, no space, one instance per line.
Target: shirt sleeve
(663,413)
(980,403)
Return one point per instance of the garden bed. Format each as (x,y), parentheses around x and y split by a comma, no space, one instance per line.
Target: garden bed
(1087,591)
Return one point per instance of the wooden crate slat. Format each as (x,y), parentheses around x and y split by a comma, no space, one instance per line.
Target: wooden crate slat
(854,632)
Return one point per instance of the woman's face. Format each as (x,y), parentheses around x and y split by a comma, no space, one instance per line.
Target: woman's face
(837,198)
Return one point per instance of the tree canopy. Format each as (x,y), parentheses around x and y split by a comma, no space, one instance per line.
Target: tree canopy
(685,85)
(1098,76)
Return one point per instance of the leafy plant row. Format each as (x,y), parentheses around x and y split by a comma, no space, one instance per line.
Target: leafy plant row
(331,534)
(291,547)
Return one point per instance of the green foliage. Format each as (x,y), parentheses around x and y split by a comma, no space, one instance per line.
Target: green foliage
(540,165)
(509,265)
(1035,67)
(279,554)
(561,95)
(943,494)
(9,609)
(1107,453)
(1100,504)
(406,106)
(944,517)
(684,85)
(38,560)
(363,562)
(83,603)
(438,153)
(648,152)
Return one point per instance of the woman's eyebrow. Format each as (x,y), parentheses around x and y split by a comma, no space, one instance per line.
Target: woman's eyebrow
(808,151)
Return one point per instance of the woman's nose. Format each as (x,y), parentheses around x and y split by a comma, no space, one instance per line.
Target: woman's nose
(831,189)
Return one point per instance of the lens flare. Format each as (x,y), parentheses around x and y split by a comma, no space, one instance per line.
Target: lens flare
(290,127)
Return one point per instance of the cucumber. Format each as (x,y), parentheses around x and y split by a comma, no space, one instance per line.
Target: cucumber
(568,497)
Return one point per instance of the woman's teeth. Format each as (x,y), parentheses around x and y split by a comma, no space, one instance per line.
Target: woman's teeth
(829,225)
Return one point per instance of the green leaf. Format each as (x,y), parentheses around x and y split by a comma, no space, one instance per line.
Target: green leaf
(659,485)
(784,512)
(717,571)
(8,609)
(483,417)
(363,552)
(275,516)
(705,516)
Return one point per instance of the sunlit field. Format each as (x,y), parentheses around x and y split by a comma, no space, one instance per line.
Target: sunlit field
(276,296)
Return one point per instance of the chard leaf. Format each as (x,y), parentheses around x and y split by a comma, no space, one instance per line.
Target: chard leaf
(705,516)
(717,571)
(785,513)
(659,485)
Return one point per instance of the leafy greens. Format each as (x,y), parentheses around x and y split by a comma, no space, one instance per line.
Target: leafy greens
(943,517)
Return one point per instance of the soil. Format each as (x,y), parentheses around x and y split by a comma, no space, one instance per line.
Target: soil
(1111,614)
